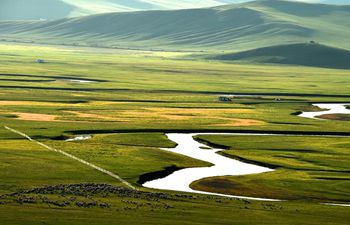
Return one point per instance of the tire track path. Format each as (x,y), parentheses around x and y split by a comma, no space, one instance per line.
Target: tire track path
(109,173)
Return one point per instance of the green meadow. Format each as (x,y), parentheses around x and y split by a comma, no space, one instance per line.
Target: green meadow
(306,168)
(133,99)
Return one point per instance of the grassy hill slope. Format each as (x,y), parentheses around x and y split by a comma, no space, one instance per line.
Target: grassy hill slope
(238,27)
(307,54)
(58,9)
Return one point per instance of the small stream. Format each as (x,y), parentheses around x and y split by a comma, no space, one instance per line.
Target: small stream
(81,81)
(333,108)
(79,138)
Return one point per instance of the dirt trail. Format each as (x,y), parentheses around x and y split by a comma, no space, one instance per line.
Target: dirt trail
(73,157)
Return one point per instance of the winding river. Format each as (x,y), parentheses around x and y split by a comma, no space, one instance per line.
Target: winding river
(221,166)
(333,108)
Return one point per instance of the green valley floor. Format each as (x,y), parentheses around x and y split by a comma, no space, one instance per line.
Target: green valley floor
(127,100)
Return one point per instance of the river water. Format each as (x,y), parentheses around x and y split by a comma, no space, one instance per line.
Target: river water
(327,109)
(221,166)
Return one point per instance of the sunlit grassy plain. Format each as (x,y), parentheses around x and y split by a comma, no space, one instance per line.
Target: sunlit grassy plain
(312,168)
(144,94)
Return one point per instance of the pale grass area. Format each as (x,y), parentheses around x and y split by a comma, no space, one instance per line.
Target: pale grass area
(185,113)
(55,118)
(94,116)
(241,123)
(32,48)
(200,111)
(36,117)
(211,117)
(31,103)
(79,95)
(36,103)
(181,114)
(106,103)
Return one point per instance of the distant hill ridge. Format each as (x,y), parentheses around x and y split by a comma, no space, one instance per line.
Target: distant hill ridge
(237,27)
(58,9)
(306,54)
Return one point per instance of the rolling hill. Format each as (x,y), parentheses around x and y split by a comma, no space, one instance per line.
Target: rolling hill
(237,27)
(58,9)
(306,54)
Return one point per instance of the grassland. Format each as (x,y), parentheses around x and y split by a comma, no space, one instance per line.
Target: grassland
(313,168)
(136,97)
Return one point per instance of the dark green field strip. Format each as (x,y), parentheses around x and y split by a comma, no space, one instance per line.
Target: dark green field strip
(67,89)
(21,80)
(175,91)
(54,76)
(209,131)
(332,178)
